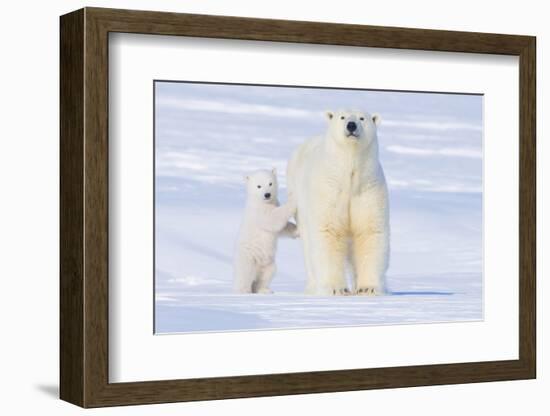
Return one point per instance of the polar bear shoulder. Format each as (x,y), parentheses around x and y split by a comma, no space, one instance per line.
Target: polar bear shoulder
(299,161)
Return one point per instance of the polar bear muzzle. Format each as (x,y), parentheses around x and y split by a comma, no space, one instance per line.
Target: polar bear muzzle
(352,129)
(352,126)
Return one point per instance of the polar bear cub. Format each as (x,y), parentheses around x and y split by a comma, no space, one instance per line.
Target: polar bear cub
(264,221)
(342,206)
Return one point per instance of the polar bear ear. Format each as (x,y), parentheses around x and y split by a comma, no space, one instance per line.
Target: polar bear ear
(329,114)
(246,178)
(376,119)
(274,171)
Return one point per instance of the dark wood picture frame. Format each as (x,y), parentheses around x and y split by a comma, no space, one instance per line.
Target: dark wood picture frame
(84,207)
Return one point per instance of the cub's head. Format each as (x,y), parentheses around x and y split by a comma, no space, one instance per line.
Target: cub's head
(348,127)
(262,185)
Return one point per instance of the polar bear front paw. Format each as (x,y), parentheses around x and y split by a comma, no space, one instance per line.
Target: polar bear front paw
(265,291)
(369,291)
(344,291)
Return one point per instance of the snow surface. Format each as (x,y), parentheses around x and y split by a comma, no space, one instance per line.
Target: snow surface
(209,136)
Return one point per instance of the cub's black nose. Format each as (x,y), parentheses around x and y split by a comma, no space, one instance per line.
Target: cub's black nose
(267,196)
(351,126)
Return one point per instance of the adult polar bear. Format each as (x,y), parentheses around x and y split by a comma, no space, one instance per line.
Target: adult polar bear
(342,206)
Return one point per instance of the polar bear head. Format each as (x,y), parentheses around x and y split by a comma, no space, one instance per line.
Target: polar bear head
(349,126)
(262,186)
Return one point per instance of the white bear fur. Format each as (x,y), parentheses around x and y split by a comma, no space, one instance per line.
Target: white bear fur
(264,221)
(342,207)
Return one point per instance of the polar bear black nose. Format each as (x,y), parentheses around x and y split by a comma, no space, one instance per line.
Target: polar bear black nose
(268,195)
(351,126)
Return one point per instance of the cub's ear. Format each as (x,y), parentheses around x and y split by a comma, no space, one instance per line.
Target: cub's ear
(246,178)
(274,171)
(329,114)
(376,119)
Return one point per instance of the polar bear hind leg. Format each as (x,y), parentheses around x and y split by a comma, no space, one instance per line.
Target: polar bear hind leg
(311,286)
(245,275)
(264,280)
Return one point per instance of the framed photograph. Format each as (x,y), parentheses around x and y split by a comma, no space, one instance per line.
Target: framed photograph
(254,207)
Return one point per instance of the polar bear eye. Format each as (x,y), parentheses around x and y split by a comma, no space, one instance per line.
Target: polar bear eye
(342,117)
(270,184)
(362,118)
(259,186)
